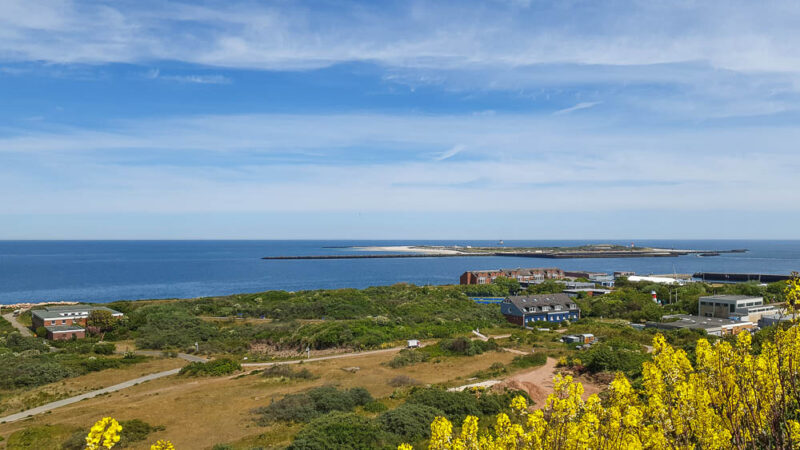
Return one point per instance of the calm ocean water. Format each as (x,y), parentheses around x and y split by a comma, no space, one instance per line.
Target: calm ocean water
(113,270)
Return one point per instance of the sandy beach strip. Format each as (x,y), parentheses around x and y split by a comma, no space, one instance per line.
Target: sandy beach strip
(409,249)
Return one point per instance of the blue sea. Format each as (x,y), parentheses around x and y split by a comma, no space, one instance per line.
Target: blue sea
(103,271)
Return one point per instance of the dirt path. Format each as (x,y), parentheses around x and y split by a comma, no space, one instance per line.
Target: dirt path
(23,330)
(538,382)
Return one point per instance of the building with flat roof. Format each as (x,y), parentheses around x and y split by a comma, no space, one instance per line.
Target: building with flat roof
(524,310)
(63,332)
(724,306)
(711,325)
(64,322)
(588,292)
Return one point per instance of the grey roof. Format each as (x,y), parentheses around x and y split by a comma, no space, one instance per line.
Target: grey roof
(696,322)
(521,301)
(731,297)
(63,328)
(57,312)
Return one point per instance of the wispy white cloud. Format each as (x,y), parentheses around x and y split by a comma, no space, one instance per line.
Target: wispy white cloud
(154,74)
(216,164)
(579,106)
(736,35)
(450,153)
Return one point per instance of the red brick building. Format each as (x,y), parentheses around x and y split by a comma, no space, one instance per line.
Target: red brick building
(534,275)
(64,322)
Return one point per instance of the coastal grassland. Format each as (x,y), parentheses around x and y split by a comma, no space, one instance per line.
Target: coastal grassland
(288,323)
(27,362)
(201,412)
(5,328)
(18,399)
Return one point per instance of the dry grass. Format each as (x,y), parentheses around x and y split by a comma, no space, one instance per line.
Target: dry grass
(19,399)
(201,412)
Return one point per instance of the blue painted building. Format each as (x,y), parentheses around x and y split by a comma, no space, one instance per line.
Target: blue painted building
(524,310)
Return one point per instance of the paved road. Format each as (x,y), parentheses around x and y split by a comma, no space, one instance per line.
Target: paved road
(77,398)
(25,331)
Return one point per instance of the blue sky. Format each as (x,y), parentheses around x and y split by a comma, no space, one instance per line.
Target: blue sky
(408,119)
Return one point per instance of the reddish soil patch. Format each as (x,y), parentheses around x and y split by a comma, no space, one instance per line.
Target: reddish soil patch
(538,383)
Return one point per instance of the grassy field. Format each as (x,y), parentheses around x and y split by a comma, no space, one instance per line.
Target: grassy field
(12,401)
(200,412)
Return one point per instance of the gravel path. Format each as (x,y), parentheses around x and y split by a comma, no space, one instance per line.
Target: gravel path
(23,330)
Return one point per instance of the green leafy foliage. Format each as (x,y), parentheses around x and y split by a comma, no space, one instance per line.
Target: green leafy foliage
(19,343)
(407,357)
(322,319)
(306,406)
(339,430)
(285,371)
(532,360)
(168,326)
(214,368)
(615,355)
(410,421)
(460,347)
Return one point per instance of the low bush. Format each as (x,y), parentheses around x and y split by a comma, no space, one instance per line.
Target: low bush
(455,405)
(19,343)
(106,348)
(136,430)
(285,371)
(460,347)
(215,368)
(375,407)
(306,406)
(407,357)
(340,430)
(410,421)
(532,360)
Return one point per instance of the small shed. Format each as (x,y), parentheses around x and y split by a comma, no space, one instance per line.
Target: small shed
(413,343)
(571,339)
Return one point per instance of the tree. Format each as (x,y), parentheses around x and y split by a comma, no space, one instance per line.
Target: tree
(100,320)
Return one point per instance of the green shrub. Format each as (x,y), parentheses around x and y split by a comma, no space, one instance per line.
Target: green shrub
(285,371)
(136,430)
(455,405)
(19,343)
(41,332)
(464,347)
(339,430)
(304,407)
(32,371)
(107,348)
(606,357)
(215,368)
(411,422)
(40,437)
(407,357)
(375,407)
(532,360)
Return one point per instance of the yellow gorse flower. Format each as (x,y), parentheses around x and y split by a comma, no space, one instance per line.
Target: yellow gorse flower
(163,445)
(104,433)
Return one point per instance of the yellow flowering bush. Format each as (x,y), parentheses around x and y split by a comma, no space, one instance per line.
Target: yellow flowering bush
(105,434)
(731,398)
